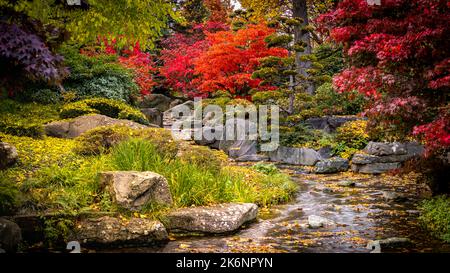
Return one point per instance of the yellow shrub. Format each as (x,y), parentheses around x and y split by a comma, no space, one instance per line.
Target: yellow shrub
(353,134)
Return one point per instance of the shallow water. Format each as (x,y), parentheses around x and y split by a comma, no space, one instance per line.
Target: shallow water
(361,213)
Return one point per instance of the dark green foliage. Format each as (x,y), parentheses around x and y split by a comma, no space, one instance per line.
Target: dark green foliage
(332,103)
(436,216)
(107,107)
(266,168)
(98,76)
(332,61)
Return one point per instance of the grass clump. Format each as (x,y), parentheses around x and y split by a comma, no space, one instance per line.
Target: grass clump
(202,182)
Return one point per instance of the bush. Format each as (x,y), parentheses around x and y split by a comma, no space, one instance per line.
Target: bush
(107,107)
(25,119)
(435,216)
(39,94)
(353,134)
(332,103)
(297,135)
(98,76)
(202,157)
(102,139)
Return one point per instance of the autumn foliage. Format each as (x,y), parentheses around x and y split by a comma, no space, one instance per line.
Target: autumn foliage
(398,55)
(222,60)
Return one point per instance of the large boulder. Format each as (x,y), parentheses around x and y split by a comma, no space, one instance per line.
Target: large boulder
(8,155)
(153,115)
(77,126)
(332,165)
(329,123)
(10,235)
(158,101)
(132,190)
(295,156)
(221,218)
(239,148)
(375,168)
(109,231)
(380,157)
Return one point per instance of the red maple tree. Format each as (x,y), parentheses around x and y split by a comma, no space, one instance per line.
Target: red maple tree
(398,54)
(231,59)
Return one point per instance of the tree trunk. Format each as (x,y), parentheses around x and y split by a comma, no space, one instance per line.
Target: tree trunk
(299,9)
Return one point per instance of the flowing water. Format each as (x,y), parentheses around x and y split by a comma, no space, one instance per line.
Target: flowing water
(362,213)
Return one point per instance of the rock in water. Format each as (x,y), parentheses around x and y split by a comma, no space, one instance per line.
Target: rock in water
(332,165)
(10,235)
(347,183)
(132,190)
(315,221)
(158,101)
(113,231)
(393,196)
(77,126)
(8,155)
(221,218)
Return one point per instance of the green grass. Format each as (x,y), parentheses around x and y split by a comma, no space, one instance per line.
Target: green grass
(193,184)
(435,216)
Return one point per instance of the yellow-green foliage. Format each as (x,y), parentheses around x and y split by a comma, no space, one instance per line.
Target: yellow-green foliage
(435,216)
(353,134)
(202,157)
(25,119)
(100,140)
(264,97)
(107,107)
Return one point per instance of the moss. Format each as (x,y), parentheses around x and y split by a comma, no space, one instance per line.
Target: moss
(435,216)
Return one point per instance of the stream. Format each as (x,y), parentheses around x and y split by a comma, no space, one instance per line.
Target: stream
(362,213)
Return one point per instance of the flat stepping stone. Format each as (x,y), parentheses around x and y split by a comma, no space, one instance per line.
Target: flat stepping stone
(221,218)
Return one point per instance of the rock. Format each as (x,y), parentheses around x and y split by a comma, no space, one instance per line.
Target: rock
(77,126)
(221,218)
(177,108)
(332,165)
(8,155)
(393,196)
(295,156)
(375,168)
(380,157)
(153,115)
(109,231)
(210,131)
(10,235)
(252,158)
(132,190)
(175,102)
(390,243)
(239,148)
(347,183)
(325,152)
(381,148)
(315,221)
(158,101)
(329,123)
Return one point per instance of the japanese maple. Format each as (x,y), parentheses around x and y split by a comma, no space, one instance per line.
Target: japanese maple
(231,59)
(398,55)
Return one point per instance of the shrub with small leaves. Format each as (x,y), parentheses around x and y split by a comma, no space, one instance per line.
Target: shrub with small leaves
(107,107)
(353,134)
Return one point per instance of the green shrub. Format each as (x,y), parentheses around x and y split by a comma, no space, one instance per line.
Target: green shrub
(435,216)
(25,119)
(107,107)
(101,139)
(332,103)
(202,157)
(296,135)
(98,76)
(39,94)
